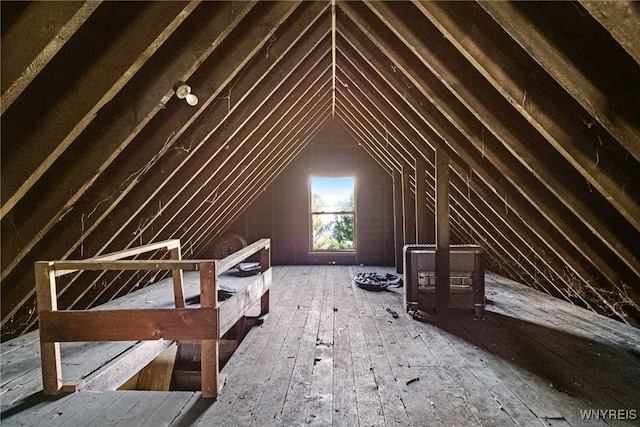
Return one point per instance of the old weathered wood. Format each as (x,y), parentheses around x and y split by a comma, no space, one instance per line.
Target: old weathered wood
(58,130)
(157,375)
(608,109)
(499,63)
(173,203)
(29,46)
(476,213)
(129,325)
(122,133)
(49,351)
(445,369)
(620,18)
(234,308)
(209,348)
(422,229)
(443,235)
(561,222)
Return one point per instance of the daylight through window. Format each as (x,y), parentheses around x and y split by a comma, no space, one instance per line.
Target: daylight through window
(333,214)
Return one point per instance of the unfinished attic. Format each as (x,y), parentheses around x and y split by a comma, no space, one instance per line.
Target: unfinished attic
(176,249)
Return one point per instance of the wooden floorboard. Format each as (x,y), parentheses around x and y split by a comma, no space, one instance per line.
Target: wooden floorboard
(330,353)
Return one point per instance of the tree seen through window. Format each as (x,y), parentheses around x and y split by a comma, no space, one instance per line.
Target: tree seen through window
(332,213)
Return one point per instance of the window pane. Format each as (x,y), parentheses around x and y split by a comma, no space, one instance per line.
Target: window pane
(333,231)
(332,194)
(333,214)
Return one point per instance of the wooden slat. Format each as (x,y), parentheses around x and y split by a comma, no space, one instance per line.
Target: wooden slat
(65,266)
(508,69)
(443,234)
(128,325)
(91,92)
(234,308)
(601,105)
(49,351)
(621,19)
(244,253)
(137,250)
(210,347)
(28,45)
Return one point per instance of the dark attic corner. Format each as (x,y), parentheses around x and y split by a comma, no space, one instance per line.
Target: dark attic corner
(173,171)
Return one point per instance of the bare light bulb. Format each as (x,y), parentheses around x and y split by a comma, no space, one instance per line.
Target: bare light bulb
(184,92)
(191,99)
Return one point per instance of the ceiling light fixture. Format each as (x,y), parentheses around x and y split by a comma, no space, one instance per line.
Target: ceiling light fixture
(183,91)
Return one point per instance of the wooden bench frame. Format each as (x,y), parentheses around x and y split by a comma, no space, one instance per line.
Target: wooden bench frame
(206,324)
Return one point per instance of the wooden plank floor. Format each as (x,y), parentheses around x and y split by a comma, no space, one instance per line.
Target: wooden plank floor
(330,353)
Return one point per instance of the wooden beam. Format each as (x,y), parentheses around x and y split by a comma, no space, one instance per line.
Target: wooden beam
(178,280)
(621,18)
(28,45)
(422,227)
(607,107)
(443,235)
(244,253)
(499,59)
(238,197)
(49,351)
(398,220)
(87,178)
(89,93)
(476,162)
(432,91)
(210,348)
(128,325)
(409,212)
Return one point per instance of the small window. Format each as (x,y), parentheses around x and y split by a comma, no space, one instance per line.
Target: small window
(332,214)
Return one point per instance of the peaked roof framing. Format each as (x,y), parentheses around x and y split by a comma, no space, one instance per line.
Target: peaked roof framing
(535,104)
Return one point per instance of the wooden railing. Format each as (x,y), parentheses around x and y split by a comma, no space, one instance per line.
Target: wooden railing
(206,324)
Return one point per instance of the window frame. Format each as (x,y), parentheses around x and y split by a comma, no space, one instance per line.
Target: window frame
(312,213)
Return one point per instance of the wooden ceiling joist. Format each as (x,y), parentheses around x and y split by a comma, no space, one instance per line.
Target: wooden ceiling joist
(534,103)
(519,139)
(96,188)
(523,256)
(529,90)
(197,171)
(610,104)
(33,45)
(84,90)
(472,158)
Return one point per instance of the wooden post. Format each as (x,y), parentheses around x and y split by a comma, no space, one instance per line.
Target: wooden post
(408,208)
(178,279)
(49,351)
(442,231)
(265,264)
(398,219)
(422,231)
(209,358)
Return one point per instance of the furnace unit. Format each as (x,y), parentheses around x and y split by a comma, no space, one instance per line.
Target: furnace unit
(466,285)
